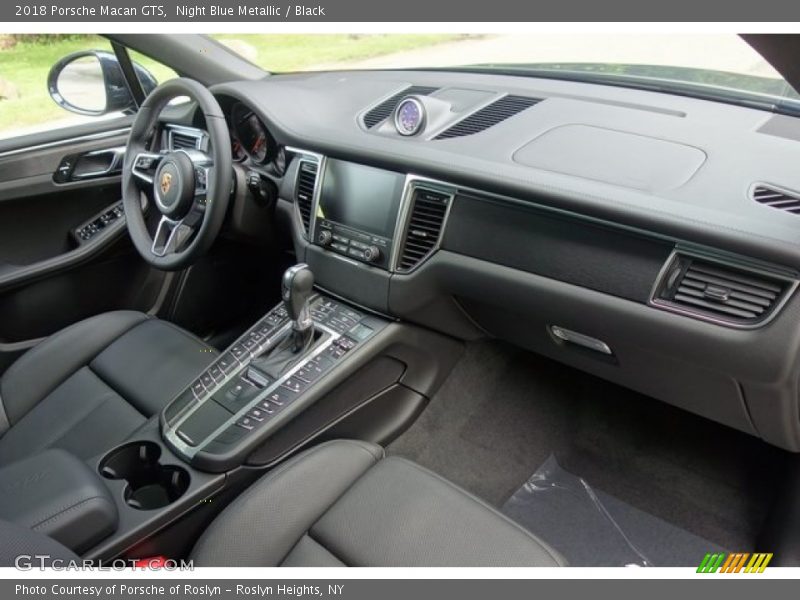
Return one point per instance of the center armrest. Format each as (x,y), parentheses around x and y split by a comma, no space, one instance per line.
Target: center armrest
(57,494)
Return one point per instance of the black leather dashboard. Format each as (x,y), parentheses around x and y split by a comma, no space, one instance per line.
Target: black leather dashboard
(322,112)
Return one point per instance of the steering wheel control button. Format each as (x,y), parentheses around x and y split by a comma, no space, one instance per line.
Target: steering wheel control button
(145,163)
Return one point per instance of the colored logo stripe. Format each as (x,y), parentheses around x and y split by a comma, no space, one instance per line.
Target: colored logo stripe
(734,562)
(758,563)
(711,562)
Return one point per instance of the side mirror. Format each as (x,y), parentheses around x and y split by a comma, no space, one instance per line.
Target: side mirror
(92,83)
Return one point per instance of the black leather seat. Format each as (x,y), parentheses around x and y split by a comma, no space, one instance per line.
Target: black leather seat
(343,504)
(88,387)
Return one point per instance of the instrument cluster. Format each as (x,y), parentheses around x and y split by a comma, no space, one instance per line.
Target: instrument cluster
(251,140)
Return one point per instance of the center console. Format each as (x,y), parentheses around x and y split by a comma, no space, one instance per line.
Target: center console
(265,378)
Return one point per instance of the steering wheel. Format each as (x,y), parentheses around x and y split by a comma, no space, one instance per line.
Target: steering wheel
(190,188)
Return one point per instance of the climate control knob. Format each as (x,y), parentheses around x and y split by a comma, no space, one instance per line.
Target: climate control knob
(372,254)
(325,238)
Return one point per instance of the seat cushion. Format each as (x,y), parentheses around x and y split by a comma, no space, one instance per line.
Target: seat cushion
(343,503)
(88,387)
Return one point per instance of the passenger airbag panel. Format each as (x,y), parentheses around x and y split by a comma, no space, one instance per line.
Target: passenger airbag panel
(577,252)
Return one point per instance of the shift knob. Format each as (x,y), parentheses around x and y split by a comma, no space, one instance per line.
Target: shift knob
(296,287)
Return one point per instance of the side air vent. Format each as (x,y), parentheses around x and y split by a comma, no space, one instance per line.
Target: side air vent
(770,196)
(496,112)
(383,110)
(425,225)
(721,293)
(304,190)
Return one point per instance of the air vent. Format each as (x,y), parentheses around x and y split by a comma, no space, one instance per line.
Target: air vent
(490,115)
(720,292)
(425,225)
(384,109)
(304,190)
(184,140)
(769,196)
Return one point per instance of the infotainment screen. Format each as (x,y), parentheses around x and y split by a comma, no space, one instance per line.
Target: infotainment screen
(364,198)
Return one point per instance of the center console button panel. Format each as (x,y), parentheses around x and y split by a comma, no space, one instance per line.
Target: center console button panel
(232,405)
(226,367)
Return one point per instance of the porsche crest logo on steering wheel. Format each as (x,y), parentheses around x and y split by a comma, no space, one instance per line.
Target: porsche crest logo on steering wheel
(166,182)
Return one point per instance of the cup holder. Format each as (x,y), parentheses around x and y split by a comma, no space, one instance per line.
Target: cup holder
(150,484)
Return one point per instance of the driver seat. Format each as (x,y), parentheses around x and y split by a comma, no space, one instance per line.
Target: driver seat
(86,388)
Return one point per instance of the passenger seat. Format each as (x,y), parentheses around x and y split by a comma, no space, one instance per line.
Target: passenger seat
(343,503)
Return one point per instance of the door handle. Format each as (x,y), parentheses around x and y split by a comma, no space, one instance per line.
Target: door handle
(97,163)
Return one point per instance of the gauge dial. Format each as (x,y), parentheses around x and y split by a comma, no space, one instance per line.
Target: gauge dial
(256,141)
(237,151)
(279,164)
(409,116)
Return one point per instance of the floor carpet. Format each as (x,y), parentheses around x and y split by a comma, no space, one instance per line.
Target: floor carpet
(503,412)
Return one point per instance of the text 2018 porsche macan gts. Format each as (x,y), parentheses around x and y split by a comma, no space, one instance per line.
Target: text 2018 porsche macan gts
(500,315)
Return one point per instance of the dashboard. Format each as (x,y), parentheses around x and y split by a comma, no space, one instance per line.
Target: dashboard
(635,235)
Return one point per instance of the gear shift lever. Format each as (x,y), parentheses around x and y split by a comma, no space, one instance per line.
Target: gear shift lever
(296,287)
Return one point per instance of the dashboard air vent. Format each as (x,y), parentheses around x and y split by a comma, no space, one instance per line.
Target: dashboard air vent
(425,224)
(719,292)
(490,115)
(304,190)
(769,196)
(179,140)
(383,110)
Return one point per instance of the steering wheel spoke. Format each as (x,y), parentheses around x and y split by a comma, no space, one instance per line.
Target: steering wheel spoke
(171,235)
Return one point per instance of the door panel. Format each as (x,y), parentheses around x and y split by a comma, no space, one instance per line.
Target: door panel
(51,274)
(35,228)
(119,280)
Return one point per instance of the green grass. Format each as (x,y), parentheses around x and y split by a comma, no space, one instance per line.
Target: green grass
(281,53)
(26,64)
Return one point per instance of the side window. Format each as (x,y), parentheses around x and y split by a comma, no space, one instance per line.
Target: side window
(26,105)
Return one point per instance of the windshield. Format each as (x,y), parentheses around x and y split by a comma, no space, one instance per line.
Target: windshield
(717,66)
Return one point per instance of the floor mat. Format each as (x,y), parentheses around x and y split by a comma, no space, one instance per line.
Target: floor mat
(593,529)
(502,412)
